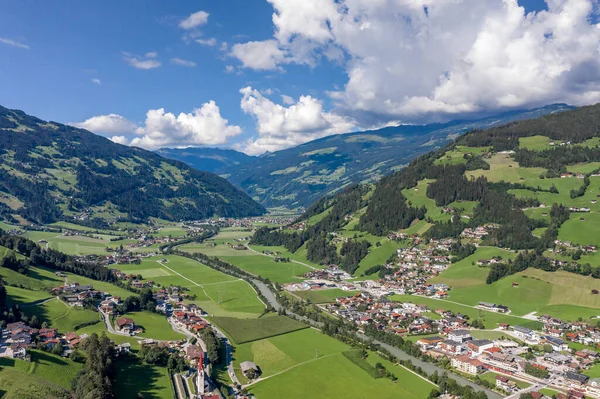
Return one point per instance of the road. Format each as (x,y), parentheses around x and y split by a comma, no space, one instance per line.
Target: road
(534,387)
(109,326)
(427,367)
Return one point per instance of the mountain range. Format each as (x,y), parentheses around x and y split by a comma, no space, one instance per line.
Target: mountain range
(207,159)
(51,172)
(299,176)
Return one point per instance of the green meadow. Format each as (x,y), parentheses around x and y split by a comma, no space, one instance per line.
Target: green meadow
(152,382)
(154,325)
(217,293)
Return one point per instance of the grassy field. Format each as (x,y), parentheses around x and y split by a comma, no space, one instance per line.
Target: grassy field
(418,197)
(73,245)
(257,264)
(586,232)
(51,369)
(457,155)
(503,167)
(467,272)
(324,296)
(309,364)
(61,316)
(155,326)
(217,293)
(378,255)
(151,381)
(35,279)
(15,384)
(22,296)
(247,330)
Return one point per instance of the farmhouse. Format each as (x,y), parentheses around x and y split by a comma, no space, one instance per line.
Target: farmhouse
(125,324)
(249,369)
(504,383)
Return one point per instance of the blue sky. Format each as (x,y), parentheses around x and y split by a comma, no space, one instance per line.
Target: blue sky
(341,69)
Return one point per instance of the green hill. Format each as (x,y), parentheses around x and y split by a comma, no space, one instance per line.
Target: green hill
(50,172)
(299,176)
(535,180)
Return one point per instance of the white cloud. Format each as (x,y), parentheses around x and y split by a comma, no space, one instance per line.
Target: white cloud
(229,69)
(119,140)
(13,43)
(108,125)
(280,127)
(96,81)
(224,46)
(202,126)
(148,61)
(194,20)
(207,42)
(287,100)
(185,63)
(415,60)
(263,55)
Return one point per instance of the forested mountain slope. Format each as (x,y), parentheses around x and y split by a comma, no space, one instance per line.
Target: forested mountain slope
(207,159)
(533,183)
(50,171)
(299,176)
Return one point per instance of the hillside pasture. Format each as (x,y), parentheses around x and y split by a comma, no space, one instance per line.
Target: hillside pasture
(152,382)
(582,232)
(61,316)
(467,272)
(418,197)
(503,167)
(155,326)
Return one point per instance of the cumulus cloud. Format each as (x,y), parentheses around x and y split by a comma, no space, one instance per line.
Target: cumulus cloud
(281,127)
(148,61)
(107,125)
(119,140)
(263,55)
(416,60)
(96,81)
(185,63)
(202,126)
(194,20)
(13,43)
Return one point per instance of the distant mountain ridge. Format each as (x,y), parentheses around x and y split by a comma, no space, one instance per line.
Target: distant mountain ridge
(299,176)
(207,159)
(51,172)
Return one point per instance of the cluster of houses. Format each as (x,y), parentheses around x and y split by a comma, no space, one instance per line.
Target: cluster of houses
(399,318)
(568,245)
(75,294)
(476,356)
(478,232)
(577,332)
(569,174)
(190,319)
(17,338)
